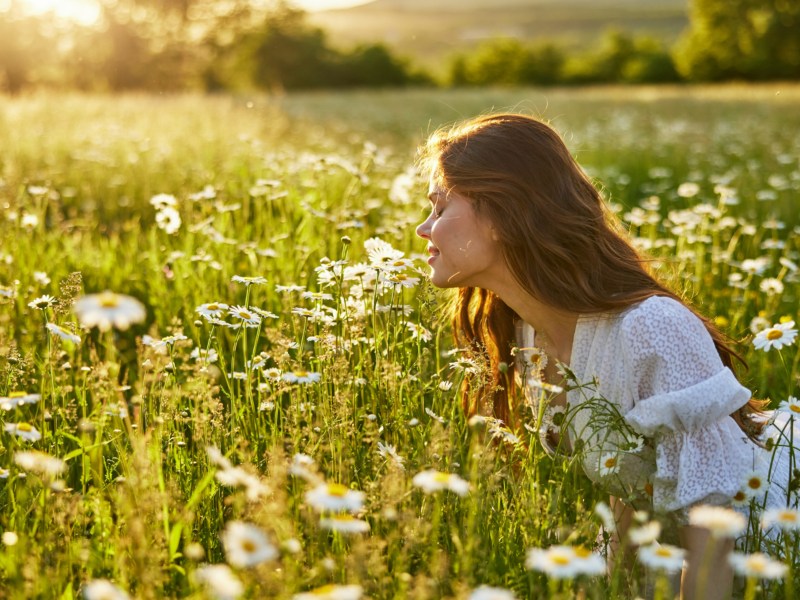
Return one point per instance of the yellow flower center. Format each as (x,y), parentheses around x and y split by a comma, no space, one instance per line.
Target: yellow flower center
(441,477)
(324,590)
(300,373)
(213,307)
(774,334)
(24,427)
(17,394)
(243,314)
(788,517)
(337,489)
(740,496)
(560,560)
(248,546)
(108,300)
(663,552)
(582,552)
(794,408)
(754,483)
(610,462)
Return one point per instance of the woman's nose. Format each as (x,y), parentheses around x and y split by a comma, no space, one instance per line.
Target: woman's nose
(424,229)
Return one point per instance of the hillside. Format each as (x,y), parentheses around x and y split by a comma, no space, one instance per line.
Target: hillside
(428,31)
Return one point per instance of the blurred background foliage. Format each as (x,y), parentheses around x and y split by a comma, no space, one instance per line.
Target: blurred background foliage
(215,45)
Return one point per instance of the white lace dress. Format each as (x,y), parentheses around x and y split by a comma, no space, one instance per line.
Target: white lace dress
(650,417)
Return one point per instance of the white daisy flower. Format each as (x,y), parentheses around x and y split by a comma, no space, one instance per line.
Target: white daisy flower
(303,466)
(777,336)
(389,451)
(486,592)
(790,405)
(720,521)
(160,201)
(759,324)
(419,332)
(246,545)
(771,286)
(168,220)
(107,310)
(602,510)
(10,538)
(40,462)
(248,317)
(431,481)
(211,310)
(663,557)
(26,431)
(646,534)
(344,523)
(609,464)
(565,562)
(15,399)
(753,483)
(220,581)
(103,589)
(42,302)
(332,592)
(757,565)
(301,376)
(62,333)
(42,278)
(248,281)
(786,519)
(334,497)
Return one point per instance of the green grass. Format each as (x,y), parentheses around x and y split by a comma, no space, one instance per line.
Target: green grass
(300,181)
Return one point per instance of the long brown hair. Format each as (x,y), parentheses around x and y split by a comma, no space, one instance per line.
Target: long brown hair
(558,237)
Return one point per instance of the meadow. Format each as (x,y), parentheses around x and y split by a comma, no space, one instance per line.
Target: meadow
(223,372)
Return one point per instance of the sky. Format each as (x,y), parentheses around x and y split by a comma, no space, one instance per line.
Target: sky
(86,11)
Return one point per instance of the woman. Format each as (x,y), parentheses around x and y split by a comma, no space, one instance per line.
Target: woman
(538,260)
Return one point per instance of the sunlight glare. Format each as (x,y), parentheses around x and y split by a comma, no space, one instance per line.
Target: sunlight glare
(82,11)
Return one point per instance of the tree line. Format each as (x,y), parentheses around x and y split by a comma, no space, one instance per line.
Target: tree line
(172,45)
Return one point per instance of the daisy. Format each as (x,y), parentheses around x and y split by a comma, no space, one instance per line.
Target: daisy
(777,336)
(565,562)
(486,592)
(790,405)
(10,538)
(757,565)
(771,286)
(646,534)
(603,511)
(753,483)
(609,464)
(103,589)
(26,431)
(431,481)
(265,314)
(168,220)
(335,497)
(40,462)
(42,302)
(787,519)
(107,310)
(62,333)
(289,289)
(381,253)
(720,521)
(663,557)
(301,376)
(344,524)
(332,592)
(248,281)
(220,581)
(272,373)
(212,310)
(246,545)
(248,317)
(207,356)
(43,278)
(389,451)
(303,466)
(161,201)
(15,399)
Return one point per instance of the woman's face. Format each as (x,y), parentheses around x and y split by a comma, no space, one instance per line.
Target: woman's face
(462,245)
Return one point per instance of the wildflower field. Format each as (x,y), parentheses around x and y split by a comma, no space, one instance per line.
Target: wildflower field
(224,374)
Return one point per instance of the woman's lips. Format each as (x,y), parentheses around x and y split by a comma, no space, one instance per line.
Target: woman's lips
(434,252)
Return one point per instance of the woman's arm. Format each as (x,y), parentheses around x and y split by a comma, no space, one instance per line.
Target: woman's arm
(708,575)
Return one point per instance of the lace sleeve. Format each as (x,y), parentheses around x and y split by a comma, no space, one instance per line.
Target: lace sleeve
(685,398)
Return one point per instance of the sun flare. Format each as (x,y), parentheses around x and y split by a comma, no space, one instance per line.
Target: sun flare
(82,11)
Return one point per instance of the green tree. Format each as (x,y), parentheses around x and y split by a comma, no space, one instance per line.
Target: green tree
(741,39)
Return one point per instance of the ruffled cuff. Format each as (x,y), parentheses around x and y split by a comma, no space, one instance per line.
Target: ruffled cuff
(706,465)
(691,408)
